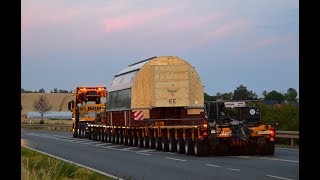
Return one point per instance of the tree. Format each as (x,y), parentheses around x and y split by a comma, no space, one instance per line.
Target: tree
(273,95)
(42,105)
(291,95)
(241,93)
(42,90)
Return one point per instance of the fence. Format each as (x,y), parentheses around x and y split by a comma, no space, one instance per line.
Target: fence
(288,134)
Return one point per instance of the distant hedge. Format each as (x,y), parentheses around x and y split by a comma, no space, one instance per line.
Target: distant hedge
(286,115)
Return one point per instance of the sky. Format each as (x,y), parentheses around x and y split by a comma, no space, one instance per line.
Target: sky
(66,43)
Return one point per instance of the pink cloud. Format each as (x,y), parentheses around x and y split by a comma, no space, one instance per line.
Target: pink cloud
(134,20)
(40,15)
(224,31)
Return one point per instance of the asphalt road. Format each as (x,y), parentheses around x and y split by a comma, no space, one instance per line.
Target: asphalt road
(129,162)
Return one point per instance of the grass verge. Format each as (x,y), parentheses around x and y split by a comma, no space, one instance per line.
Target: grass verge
(35,165)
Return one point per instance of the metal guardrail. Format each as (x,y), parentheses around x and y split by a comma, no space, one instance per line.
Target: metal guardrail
(288,134)
(281,134)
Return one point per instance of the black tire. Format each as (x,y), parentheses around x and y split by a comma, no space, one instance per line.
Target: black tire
(151,142)
(108,137)
(158,143)
(172,144)
(125,140)
(200,148)
(103,135)
(146,142)
(188,147)
(140,142)
(270,148)
(117,138)
(129,140)
(134,141)
(165,144)
(90,133)
(113,138)
(180,146)
(94,133)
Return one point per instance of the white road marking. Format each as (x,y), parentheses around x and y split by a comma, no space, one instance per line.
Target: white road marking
(278,177)
(176,159)
(112,147)
(212,165)
(144,154)
(295,149)
(148,150)
(95,170)
(268,158)
(91,143)
(276,159)
(129,148)
(100,145)
(233,169)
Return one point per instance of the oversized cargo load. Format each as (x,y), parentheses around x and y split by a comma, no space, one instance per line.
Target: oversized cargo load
(165,87)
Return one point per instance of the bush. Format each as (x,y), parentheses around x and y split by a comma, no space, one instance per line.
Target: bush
(41,121)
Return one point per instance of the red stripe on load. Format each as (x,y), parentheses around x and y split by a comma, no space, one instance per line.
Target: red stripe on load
(138,115)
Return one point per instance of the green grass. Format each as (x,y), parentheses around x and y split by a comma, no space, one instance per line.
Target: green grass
(35,165)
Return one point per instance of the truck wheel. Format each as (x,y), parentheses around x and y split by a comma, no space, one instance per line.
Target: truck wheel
(140,142)
(165,144)
(172,144)
(158,144)
(89,134)
(125,140)
(94,133)
(180,146)
(146,142)
(113,138)
(103,135)
(151,142)
(129,139)
(134,141)
(98,134)
(108,137)
(188,147)
(117,138)
(252,148)
(270,148)
(200,148)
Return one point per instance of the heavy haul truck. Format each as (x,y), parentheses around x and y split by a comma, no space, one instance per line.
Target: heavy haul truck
(88,102)
(158,103)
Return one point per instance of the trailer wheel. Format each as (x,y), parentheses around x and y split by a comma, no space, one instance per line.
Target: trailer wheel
(108,137)
(252,148)
(103,135)
(125,139)
(151,142)
(117,138)
(140,142)
(129,139)
(188,147)
(94,133)
(134,141)
(172,144)
(91,133)
(74,129)
(270,148)
(158,144)
(146,142)
(113,138)
(200,148)
(98,133)
(165,144)
(180,146)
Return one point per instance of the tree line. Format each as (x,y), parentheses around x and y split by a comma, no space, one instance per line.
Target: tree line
(242,93)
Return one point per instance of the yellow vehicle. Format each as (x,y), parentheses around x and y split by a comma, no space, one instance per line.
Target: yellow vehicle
(87,104)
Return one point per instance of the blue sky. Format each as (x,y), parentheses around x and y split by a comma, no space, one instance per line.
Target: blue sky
(65,44)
